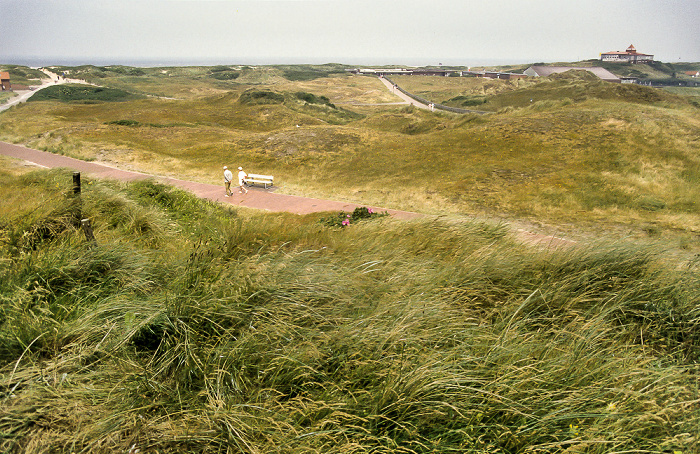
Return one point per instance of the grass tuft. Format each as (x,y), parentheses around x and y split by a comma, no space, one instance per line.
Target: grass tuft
(220,330)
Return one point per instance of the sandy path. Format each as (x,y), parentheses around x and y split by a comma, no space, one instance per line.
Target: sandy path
(407,99)
(23,95)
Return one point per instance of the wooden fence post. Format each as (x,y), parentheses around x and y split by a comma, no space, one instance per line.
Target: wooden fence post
(87,230)
(76,183)
(77,202)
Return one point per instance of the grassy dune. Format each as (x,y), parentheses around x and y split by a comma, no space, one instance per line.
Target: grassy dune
(23,75)
(191,327)
(565,152)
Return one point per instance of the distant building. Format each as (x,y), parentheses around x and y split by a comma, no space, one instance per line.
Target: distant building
(692,73)
(492,75)
(629,56)
(5,81)
(435,72)
(544,71)
(401,72)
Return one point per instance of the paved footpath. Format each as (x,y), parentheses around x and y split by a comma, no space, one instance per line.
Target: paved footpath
(258,198)
(407,99)
(24,95)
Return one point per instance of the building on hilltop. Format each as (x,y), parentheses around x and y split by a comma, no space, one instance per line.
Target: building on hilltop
(544,71)
(629,56)
(5,81)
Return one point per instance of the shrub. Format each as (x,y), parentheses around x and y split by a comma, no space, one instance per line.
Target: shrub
(467,100)
(225,75)
(82,93)
(124,123)
(343,219)
(313,99)
(261,97)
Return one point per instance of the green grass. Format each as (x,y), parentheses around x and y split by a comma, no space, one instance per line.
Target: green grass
(6,95)
(493,95)
(567,152)
(191,327)
(23,75)
(82,93)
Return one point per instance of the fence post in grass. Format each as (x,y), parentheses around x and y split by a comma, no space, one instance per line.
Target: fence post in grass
(87,230)
(76,203)
(76,183)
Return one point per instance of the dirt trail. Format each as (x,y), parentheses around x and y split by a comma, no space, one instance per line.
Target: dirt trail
(407,99)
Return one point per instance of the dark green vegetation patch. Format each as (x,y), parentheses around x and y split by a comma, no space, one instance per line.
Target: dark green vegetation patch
(310,72)
(313,99)
(466,101)
(91,71)
(223,73)
(82,93)
(261,97)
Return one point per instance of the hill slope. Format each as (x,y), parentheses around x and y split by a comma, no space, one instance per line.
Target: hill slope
(190,327)
(566,152)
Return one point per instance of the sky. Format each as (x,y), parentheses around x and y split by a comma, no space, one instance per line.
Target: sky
(355,32)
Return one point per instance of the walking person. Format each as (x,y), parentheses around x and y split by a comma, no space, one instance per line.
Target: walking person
(228,177)
(241,181)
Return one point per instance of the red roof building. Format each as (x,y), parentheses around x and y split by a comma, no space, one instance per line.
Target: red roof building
(629,56)
(5,81)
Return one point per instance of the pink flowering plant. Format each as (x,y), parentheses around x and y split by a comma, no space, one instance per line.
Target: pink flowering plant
(343,219)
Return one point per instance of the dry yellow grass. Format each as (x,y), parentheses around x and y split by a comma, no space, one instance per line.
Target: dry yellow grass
(604,157)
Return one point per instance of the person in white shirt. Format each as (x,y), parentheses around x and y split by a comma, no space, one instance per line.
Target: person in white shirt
(241,181)
(228,177)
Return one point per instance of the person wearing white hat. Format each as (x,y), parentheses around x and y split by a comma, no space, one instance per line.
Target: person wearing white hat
(228,177)
(241,181)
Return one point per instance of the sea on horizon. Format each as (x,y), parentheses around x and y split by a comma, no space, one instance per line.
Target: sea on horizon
(38,62)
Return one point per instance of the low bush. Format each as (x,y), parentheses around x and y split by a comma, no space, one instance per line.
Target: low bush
(464,101)
(225,75)
(313,99)
(82,93)
(261,97)
(343,219)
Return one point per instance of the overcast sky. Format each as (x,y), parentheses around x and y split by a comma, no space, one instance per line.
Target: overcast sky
(410,32)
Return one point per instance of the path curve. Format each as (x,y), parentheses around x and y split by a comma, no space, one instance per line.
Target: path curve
(407,99)
(256,198)
(24,95)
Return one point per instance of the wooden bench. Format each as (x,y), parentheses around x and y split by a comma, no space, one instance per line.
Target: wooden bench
(265,180)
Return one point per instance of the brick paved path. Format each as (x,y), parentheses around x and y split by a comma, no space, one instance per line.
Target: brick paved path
(256,198)
(260,199)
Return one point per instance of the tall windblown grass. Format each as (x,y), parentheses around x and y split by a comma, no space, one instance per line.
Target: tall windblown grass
(191,327)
